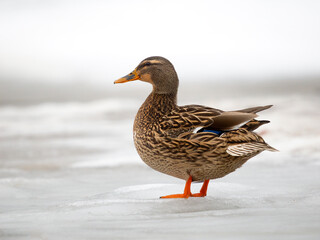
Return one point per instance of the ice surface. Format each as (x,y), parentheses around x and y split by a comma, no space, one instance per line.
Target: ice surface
(70,171)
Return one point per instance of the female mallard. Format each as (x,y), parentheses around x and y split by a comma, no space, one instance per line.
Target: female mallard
(193,142)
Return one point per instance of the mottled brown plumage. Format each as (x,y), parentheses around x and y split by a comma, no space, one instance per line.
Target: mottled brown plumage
(167,138)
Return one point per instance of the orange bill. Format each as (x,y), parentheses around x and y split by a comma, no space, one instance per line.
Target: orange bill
(128,78)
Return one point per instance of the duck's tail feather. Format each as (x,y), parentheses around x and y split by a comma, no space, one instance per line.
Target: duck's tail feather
(243,149)
(272,149)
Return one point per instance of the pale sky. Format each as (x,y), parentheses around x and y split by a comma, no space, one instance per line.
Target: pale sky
(102,40)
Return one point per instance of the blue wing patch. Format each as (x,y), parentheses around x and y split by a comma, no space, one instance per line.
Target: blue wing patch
(218,132)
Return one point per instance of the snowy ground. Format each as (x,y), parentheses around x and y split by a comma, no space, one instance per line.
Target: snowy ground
(70,171)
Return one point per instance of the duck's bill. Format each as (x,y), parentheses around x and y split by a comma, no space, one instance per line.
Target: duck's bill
(128,78)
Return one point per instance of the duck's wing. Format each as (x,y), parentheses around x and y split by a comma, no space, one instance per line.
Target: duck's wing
(194,116)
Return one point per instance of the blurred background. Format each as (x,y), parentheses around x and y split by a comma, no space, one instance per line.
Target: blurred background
(65,128)
(67,50)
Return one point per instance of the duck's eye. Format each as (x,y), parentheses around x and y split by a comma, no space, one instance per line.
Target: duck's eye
(147,64)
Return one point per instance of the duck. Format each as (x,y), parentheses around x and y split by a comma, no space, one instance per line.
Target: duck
(194,143)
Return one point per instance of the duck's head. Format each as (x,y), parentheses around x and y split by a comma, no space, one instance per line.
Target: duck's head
(155,70)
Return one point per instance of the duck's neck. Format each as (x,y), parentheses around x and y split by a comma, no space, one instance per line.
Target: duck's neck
(155,106)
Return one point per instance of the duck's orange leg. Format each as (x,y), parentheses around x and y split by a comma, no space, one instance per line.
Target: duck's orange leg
(187,190)
(203,191)
(185,194)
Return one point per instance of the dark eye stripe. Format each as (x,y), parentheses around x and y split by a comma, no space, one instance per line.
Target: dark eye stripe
(146,64)
(149,64)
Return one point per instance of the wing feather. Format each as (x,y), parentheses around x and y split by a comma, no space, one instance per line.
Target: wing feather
(193,116)
(255,109)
